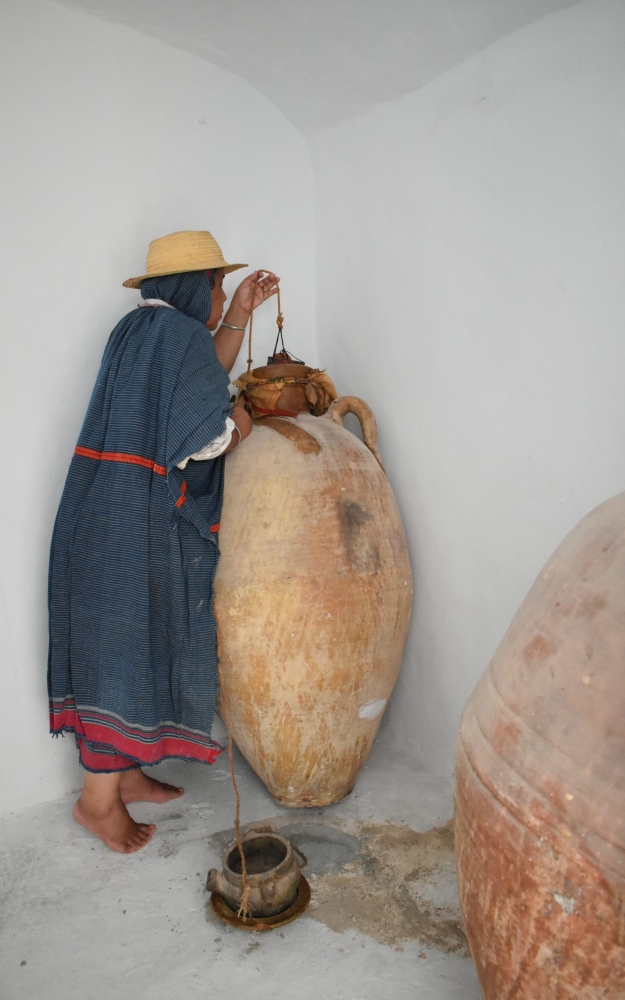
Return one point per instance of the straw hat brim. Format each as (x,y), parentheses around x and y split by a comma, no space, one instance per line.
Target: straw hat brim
(137,282)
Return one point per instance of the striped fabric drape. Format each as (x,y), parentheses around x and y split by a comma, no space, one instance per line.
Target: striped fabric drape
(132,662)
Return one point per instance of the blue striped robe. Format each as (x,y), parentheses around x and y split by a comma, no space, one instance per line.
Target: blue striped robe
(132,662)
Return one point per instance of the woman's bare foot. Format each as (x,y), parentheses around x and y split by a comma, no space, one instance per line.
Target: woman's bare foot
(101,811)
(116,828)
(135,786)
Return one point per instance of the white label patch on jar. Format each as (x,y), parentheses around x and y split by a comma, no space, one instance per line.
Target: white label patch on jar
(372,710)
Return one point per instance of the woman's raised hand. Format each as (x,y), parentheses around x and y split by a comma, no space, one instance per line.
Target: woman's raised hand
(251,293)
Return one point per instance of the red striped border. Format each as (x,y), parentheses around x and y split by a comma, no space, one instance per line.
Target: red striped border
(99,761)
(146,463)
(166,741)
(120,456)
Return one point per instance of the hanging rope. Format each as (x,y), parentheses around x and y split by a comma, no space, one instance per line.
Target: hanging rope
(279,320)
(244,909)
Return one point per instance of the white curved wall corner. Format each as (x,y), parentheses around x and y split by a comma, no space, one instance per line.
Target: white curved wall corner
(110,138)
(324,61)
(470,245)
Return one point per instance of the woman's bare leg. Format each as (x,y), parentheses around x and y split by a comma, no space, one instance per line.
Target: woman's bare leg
(101,811)
(135,786)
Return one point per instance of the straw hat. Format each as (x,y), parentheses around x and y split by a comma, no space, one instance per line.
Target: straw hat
(189,250)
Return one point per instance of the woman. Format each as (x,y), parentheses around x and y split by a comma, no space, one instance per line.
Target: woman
(132,664)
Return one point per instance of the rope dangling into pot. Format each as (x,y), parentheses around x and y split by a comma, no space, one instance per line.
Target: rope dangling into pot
(244,909)
(279,320)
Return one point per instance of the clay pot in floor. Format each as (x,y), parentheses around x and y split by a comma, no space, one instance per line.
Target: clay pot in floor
(312,598)
(540,783)
(273,874)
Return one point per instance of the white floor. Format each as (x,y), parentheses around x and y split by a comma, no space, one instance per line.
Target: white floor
(78,921)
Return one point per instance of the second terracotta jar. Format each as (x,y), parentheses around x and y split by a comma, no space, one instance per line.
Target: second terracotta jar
(540,783)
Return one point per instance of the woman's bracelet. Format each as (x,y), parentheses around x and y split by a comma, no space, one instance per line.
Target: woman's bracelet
(231,327)
(239,433)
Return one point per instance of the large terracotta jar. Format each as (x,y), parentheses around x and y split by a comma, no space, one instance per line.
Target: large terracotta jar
(540,783)
(312,598)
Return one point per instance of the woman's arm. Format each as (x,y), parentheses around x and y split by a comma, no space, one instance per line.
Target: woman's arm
(243,422)
(228,342)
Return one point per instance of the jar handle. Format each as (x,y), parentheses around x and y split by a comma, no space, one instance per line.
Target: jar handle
(302,856)
(352,404)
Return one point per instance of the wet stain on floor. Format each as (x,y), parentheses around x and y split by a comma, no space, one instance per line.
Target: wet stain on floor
(385,880)
(401,887)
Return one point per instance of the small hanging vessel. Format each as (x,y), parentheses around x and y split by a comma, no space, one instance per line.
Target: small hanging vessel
(285,386)
(313,591)
(540,783)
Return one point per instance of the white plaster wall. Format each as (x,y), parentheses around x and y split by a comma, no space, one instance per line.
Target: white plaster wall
(471,245)
(108,139)
(321,62)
